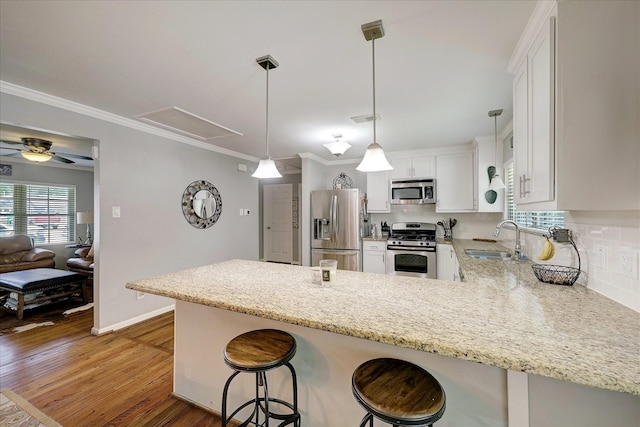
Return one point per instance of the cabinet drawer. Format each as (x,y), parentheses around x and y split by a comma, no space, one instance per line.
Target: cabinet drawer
(377,246)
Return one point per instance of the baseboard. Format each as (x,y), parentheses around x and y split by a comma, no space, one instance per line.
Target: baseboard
(132,321)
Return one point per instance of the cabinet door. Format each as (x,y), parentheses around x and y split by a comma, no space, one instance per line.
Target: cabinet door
(424,166)
(374,257)
(446,262)
(455,184)
(378,192)
(534,120)
(402,168)
(520,132)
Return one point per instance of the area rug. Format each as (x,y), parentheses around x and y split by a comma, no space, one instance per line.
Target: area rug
(17,412)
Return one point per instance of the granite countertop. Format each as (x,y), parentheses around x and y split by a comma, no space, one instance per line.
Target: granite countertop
(500,315)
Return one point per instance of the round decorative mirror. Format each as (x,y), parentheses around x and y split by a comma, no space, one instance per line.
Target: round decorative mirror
(201,204)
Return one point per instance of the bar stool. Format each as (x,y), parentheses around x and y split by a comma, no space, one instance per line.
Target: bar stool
(397,392)
(258,352)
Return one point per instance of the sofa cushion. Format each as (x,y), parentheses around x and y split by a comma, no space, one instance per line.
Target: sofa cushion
(12,244)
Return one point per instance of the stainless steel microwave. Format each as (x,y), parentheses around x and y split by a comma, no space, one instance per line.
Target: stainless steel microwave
(413,191)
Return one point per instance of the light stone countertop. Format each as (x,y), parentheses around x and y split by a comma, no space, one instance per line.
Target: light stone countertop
(500,315)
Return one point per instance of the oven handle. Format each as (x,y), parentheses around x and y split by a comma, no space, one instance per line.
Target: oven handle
(410,249)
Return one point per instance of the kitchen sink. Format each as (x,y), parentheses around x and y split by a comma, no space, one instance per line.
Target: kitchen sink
(487,254)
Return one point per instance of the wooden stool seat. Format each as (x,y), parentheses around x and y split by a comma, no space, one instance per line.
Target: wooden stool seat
(259,350)
(398,392)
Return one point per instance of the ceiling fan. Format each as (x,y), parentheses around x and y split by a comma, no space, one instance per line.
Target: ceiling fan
(37,150)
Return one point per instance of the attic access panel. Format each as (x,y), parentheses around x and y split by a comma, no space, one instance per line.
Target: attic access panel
(181,121)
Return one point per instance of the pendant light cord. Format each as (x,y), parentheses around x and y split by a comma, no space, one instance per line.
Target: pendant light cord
(495,132)
(373,56)
(267,124)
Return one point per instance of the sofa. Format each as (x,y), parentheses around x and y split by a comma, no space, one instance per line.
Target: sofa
(19,253)
(82,261)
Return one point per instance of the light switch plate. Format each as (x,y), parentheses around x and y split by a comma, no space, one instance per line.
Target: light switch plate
(115,211)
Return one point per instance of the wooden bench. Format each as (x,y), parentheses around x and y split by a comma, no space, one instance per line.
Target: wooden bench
(55,284)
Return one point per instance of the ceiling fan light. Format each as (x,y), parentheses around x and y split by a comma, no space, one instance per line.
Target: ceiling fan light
(337,148)
(374,160)
(36,157)
(496,183)
(267,169)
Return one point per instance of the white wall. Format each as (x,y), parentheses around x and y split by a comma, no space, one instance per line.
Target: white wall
(145,175)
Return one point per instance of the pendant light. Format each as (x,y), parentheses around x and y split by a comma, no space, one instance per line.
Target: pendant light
(374,159)
(267,167)
(338,147)
(496,181)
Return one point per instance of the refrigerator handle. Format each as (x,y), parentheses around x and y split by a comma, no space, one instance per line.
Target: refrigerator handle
(334,217)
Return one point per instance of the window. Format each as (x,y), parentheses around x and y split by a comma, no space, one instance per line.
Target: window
(529,219)
(45,213)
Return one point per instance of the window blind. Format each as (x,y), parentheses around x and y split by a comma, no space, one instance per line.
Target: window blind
(45,213)
(528,219)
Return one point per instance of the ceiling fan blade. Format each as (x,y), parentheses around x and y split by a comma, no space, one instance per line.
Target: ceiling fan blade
(12,149)
(76,156)
(61,159)
(4,141)
(12,154)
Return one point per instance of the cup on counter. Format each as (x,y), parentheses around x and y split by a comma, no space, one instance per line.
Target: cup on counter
(328,270)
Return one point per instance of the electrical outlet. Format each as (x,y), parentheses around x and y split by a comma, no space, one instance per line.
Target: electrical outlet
(247,212)
(629,263)
(600,256)
(139,294)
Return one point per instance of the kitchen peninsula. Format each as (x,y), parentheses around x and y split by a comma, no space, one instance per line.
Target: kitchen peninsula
(580,349)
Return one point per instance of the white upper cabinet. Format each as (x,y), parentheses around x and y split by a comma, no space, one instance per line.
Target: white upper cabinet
(378,192)
(576,109)
(533,135)
(455,182)
(414,167)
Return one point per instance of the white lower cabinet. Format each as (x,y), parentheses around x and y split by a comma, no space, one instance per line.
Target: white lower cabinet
(374,255)
(447,266)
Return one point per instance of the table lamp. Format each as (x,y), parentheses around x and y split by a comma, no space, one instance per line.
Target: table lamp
(86,218)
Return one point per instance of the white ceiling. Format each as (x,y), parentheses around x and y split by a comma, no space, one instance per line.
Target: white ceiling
(439,69)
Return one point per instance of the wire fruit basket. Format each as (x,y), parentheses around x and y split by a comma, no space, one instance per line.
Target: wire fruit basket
(557,274)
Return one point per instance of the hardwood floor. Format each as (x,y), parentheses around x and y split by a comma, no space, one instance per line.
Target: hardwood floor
(119,379)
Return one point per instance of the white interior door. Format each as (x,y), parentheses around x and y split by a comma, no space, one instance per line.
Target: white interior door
(277,222)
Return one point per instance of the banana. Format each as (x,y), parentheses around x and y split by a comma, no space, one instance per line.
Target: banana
(548,252)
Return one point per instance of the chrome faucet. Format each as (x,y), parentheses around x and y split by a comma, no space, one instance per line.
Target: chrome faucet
(516,251)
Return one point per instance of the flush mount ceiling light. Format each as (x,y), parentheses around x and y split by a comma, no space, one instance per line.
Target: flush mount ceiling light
(496,181)
(36,157)
(338,147)
(267,168)
(374,159)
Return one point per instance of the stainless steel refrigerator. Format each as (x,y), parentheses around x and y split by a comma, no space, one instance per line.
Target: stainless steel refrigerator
(335,230)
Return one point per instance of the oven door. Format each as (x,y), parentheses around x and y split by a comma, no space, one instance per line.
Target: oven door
(413,263)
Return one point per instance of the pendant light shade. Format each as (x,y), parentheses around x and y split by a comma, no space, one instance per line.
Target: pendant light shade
(374,159)
(496,181)
(267,167)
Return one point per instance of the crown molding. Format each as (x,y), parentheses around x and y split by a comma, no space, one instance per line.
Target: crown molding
(54,101)
(543,10)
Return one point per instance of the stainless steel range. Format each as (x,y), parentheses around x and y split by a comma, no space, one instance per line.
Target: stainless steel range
(411,250)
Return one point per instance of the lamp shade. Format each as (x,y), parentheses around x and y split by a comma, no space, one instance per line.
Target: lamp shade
(267,169)
(374,160)
(496,183)
(337,148)
(84,217)
(36,157)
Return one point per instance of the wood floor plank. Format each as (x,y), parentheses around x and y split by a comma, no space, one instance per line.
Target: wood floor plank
(124,378)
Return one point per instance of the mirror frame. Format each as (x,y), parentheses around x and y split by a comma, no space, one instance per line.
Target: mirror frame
(187,204)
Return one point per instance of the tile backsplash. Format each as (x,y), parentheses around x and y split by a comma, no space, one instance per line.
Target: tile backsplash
(609,246)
